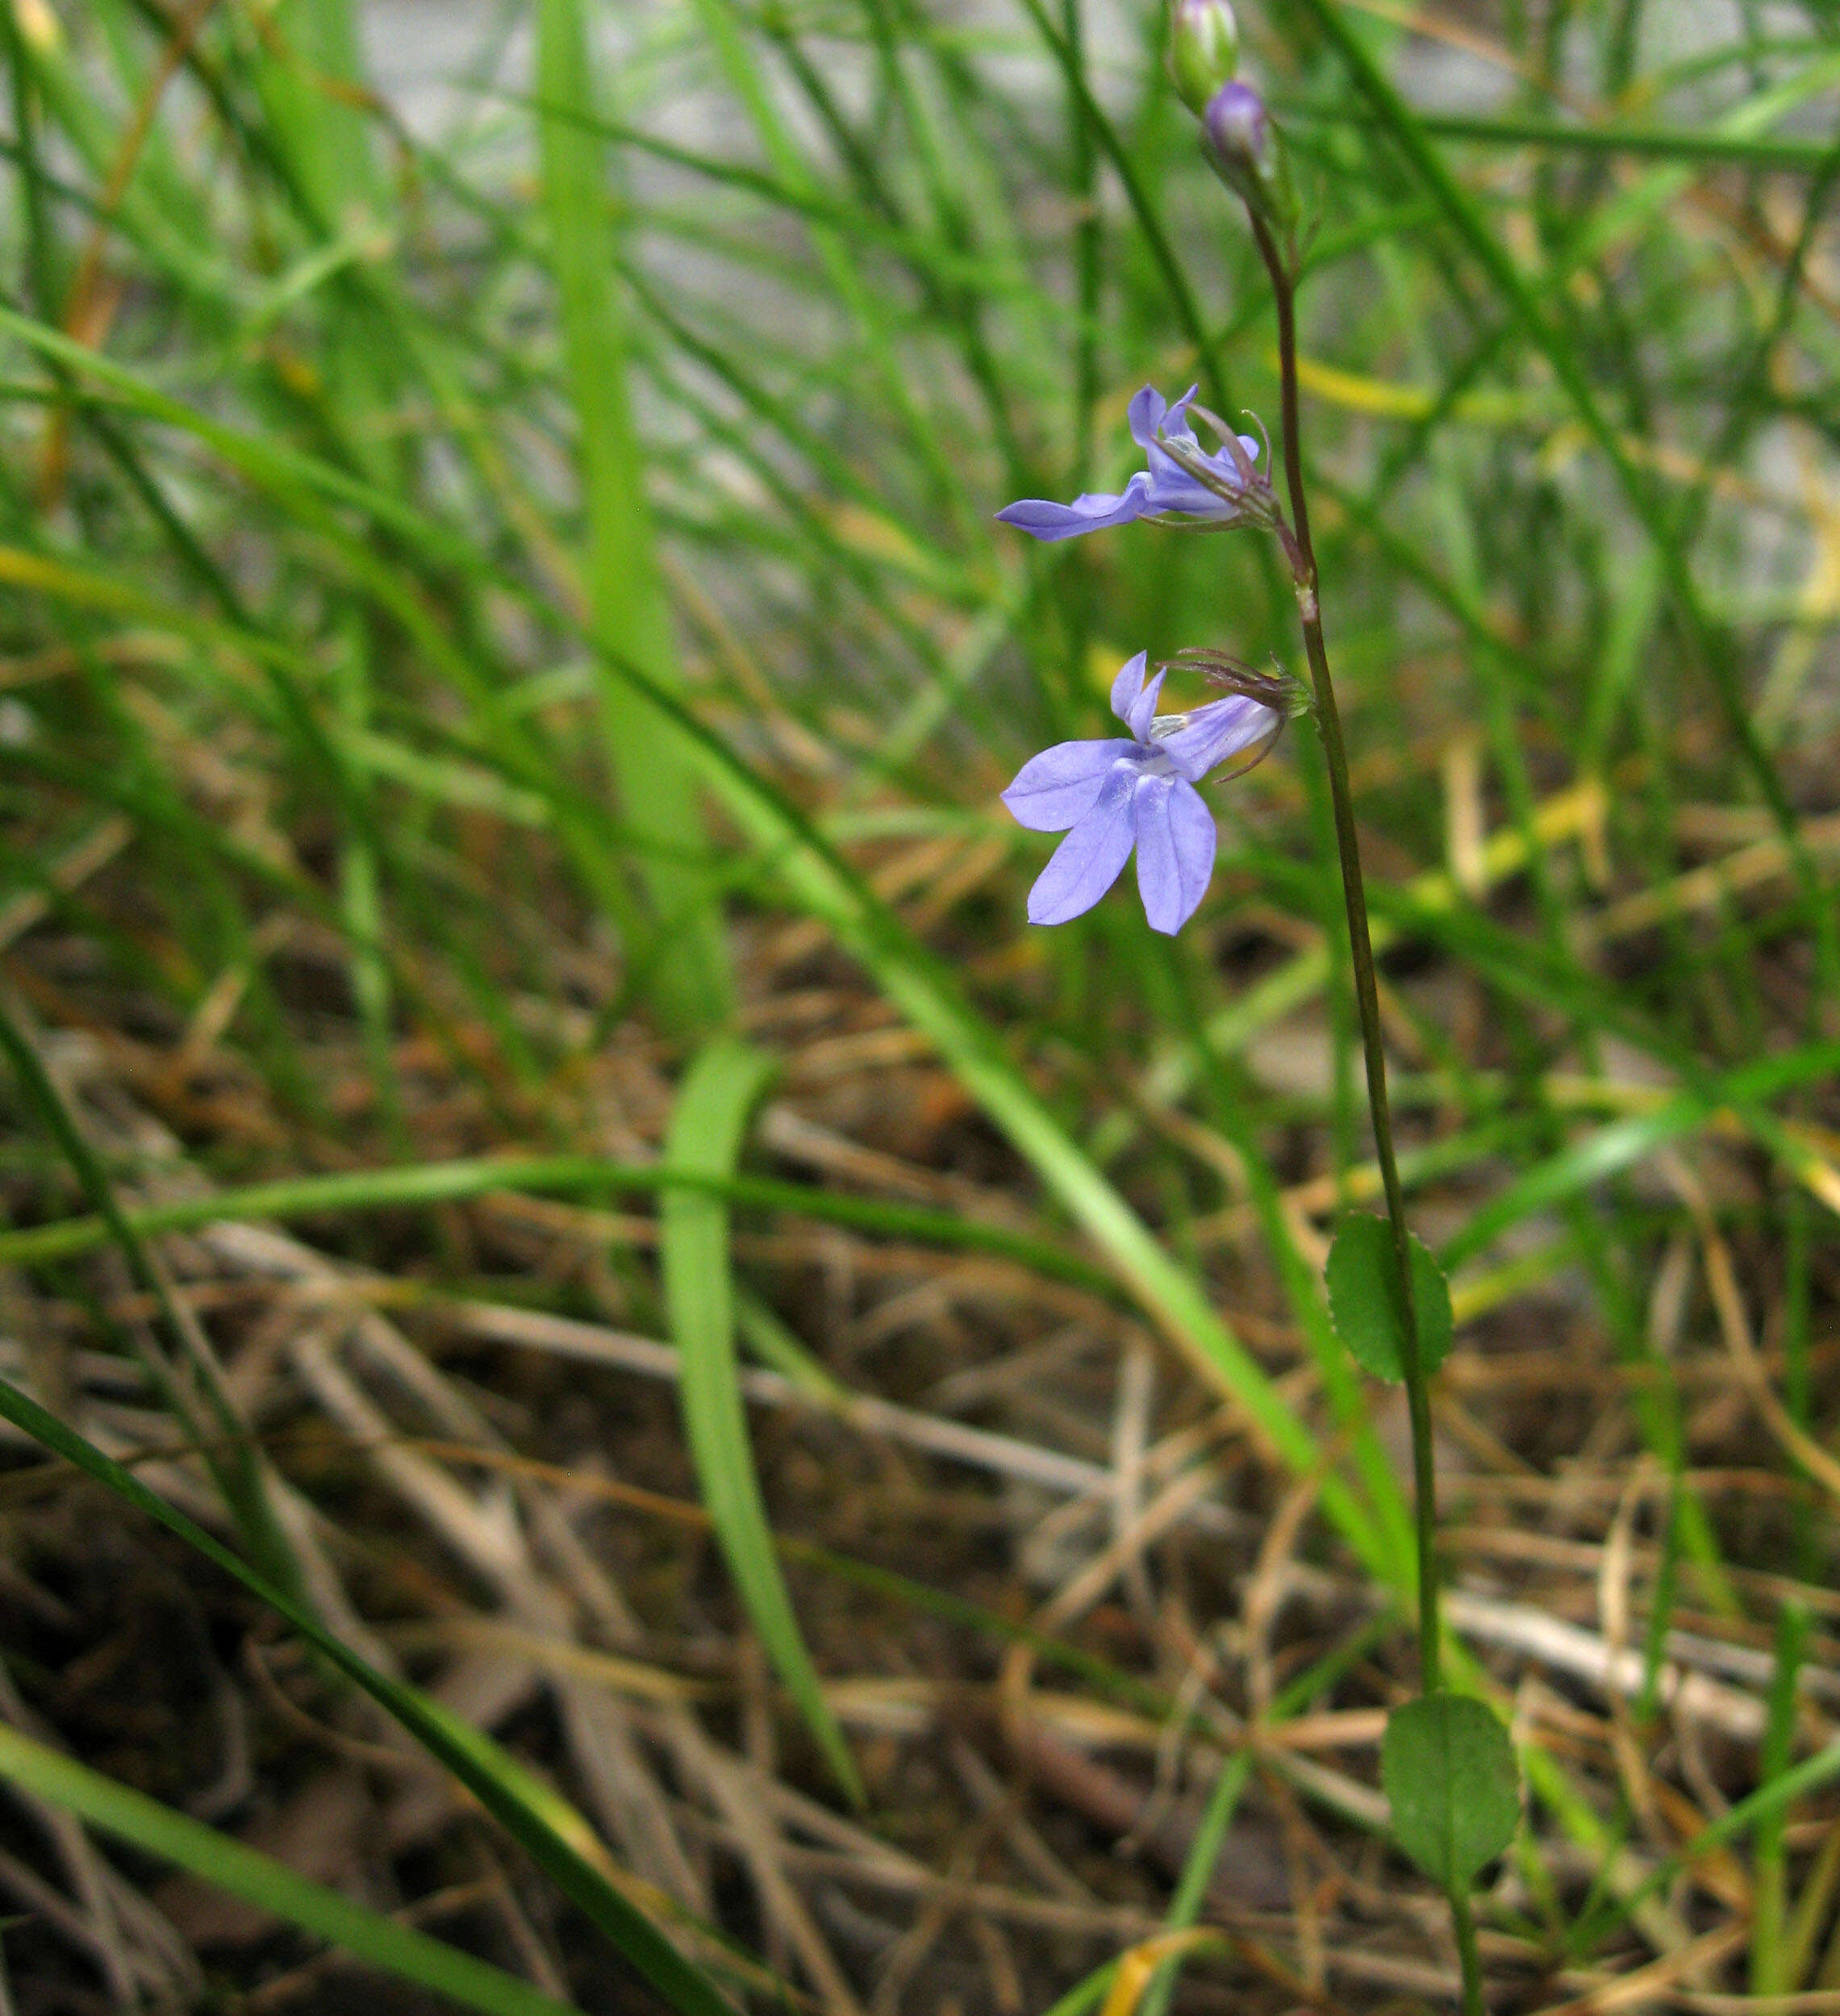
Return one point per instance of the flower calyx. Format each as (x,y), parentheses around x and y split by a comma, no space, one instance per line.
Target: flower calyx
(1283,692)
(1230,473)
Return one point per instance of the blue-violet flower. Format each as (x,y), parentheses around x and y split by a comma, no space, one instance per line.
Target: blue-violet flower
(1182,482)
(1137,791)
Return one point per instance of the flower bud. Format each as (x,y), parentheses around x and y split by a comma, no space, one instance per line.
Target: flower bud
(1239,128)
(1203,49)
(1239,138)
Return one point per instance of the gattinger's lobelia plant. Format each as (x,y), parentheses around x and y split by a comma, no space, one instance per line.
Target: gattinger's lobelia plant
(1446,1764)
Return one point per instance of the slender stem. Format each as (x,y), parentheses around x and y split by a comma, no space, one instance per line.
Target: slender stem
(1367,997)
(1470,1958)
(1086,250)
(1361,950)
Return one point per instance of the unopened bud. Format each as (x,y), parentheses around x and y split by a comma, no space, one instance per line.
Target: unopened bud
(1203,50)
(1239,127)
(1247,155)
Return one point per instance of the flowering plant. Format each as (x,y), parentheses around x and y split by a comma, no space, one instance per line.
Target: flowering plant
(1111,796)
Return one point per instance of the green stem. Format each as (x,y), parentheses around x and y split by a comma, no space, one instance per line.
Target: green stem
(1464,1919)
(1361,950)
(1367,998)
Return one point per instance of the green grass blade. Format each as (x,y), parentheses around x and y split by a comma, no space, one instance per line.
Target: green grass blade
(557,1837)
(307,76)
(838,253)
(293,1198)
(368,1935)
(932,261)
(1770,1954)
(707,1123)
(1759,1807)
(1198,1869)
(1402,124)
(235,1459)
(1653,142)
(655,779)
(1625,1142)
(1104,135)
(1623,219)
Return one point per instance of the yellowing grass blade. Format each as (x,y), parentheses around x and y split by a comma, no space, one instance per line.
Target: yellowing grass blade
(1137,1967)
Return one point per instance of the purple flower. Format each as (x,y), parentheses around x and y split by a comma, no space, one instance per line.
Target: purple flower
(1137,791)
(1169,488)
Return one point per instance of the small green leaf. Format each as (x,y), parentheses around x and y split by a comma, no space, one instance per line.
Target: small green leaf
(1448,1769)
(1360,1278)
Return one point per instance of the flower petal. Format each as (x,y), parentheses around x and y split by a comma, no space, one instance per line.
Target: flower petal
(1220,729)
(1171,488)
(1144,708)
(1176,418)
(1176,840)
(1128,684)
(1145,415)
(1227,465)
(1057,789)
(1087,862)
(1091,512)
